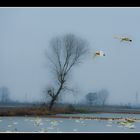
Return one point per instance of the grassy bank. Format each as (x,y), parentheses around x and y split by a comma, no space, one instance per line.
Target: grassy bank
(44,111)
(35,111)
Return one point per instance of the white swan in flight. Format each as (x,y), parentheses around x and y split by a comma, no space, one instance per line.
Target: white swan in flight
(99,53)
(123,39)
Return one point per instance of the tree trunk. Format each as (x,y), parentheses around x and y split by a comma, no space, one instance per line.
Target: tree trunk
(51,104)
(55,97)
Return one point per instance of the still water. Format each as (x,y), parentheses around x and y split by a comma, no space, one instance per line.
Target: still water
(44,124)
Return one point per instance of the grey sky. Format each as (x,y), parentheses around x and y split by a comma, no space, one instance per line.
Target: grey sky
(25,34)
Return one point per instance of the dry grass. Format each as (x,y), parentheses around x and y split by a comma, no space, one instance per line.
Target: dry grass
(33,111)
(44,111)
(24,111)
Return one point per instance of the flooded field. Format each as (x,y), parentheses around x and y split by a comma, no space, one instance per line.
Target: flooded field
(44,124)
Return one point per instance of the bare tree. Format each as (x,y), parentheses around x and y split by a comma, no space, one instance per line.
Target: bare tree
(91,98)
(4,94)
(103,96)
(66,52)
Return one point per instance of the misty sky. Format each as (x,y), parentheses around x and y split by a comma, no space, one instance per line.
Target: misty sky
(25,34)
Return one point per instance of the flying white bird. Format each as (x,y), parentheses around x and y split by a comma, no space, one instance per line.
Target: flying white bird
(123,39)
(99,53)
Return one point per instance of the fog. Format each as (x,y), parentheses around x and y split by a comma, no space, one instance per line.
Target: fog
(25,34)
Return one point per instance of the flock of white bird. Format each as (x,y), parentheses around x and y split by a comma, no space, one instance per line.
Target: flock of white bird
(54,124)
(122,39)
